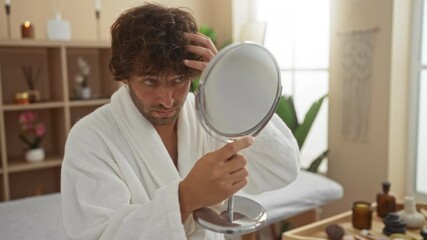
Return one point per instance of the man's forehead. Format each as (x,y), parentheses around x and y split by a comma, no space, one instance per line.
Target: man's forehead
(158,76)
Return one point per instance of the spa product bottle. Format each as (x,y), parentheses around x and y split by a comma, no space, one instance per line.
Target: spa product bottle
(386,202)
(410,215)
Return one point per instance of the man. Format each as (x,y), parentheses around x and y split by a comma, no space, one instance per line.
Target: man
(139,166)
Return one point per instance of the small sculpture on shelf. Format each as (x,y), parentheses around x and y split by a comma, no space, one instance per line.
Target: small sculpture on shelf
(393,224)
(81,88)
(32,132)
(31,76)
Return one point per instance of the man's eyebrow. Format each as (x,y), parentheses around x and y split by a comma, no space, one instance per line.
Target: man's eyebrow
(146,76)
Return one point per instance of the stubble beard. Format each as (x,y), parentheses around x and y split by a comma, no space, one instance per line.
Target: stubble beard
(155,120)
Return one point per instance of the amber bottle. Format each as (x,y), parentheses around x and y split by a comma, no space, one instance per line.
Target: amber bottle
(386,202)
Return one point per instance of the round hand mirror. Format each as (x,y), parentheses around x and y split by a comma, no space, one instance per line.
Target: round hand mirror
(238,94)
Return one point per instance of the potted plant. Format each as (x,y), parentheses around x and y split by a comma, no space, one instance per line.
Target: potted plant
(286,111)
(32,132)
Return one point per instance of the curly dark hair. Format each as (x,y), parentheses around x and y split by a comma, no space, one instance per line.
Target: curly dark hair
(149,40)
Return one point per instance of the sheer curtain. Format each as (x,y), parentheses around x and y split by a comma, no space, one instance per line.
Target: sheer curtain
(297,32)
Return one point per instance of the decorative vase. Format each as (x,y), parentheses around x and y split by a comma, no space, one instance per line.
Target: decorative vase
(86,92)
(58,29)
(35,155)
(33,96)
(410,215)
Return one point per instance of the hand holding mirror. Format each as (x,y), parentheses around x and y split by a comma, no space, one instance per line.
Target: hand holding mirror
(238,94)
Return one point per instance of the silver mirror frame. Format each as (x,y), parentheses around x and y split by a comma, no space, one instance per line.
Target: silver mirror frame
(200,96)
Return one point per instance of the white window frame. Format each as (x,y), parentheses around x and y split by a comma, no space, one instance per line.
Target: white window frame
(292,71)
(414,96)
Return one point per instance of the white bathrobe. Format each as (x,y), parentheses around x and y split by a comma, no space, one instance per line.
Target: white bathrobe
(119,182)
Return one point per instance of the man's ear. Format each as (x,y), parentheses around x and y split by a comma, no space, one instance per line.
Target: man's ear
(125,82)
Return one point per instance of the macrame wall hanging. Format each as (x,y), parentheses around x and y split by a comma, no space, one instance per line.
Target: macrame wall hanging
(356,60)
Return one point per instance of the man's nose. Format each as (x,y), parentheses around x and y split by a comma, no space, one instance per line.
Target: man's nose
(165,96)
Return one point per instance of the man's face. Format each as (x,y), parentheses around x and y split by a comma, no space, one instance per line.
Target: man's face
(159,98)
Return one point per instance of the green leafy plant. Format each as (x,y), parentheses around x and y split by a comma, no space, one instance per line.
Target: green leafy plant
(286,111)
(209,32)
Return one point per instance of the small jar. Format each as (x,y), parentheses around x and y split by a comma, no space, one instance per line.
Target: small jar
(362,215)
(22,98)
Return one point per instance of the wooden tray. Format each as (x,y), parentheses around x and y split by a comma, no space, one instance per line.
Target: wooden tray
(316,230)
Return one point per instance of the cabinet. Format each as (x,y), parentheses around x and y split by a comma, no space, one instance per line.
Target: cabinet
(59,109)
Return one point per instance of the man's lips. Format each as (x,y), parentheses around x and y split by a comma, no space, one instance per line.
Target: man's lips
(164,113)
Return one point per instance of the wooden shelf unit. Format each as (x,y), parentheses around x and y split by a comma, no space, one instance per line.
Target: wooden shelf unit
(58,108)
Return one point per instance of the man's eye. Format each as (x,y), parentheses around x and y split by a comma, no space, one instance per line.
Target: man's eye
(179,80)
(149,82)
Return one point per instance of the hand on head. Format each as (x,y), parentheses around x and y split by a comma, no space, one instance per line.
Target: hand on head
(203,47)
(215,177)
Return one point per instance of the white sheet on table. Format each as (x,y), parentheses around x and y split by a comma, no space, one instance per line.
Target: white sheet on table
(308,191)
(40,218)
(36,218)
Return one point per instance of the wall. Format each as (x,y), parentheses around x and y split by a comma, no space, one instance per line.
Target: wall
(361,166)
(81,15)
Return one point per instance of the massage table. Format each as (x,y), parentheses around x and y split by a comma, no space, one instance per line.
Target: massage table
(40,218)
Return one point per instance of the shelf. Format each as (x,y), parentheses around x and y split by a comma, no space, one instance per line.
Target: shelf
(36,182)
(31,43)
(22,165)
(90,102)
(78,112)
(2,198)
(53,142)
(44,61)
(56,65)
(99,80)
(40,105)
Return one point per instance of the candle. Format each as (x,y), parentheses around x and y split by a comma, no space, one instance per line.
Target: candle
(27,30)
(98,5)
(362,215)
(7,2)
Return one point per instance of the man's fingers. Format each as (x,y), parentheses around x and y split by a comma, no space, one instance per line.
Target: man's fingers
(232,148)
(202,46)
(195,64)
(236,163)
(201,40)
(205,53)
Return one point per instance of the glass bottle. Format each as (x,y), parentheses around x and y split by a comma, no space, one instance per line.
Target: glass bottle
(386,202)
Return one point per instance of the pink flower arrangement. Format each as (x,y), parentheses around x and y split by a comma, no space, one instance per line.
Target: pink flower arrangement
(32,131)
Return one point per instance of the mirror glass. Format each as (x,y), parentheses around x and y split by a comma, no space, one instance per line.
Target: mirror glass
(239,91)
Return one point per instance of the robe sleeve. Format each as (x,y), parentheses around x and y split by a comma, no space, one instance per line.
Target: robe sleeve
(96,198)
(273,159)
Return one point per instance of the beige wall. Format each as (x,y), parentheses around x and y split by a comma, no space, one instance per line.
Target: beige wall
(81,15)
(361,166)
(358,166)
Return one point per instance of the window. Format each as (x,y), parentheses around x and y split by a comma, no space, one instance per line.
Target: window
(418,177)
(298,35)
